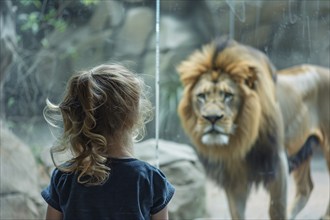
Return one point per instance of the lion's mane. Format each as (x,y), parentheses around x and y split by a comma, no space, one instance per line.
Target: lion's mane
(253,72)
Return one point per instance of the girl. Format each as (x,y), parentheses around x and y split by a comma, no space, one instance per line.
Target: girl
(103,111)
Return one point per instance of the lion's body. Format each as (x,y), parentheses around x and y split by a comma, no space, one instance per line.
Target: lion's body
(232,110)
(303,94)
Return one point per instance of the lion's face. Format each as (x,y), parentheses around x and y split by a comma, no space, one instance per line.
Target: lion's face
(216,102)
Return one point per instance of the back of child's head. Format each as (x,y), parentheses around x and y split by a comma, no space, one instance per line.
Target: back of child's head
(103,102)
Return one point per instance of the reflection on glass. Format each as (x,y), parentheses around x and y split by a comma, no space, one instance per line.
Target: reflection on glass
(44,42)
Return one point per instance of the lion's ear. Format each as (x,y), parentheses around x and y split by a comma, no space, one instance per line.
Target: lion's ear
(251,78)
(187,74)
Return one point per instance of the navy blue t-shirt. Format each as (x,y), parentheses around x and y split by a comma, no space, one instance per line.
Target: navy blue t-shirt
(135,190)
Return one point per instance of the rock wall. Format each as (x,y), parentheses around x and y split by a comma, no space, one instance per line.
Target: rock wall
(289,32)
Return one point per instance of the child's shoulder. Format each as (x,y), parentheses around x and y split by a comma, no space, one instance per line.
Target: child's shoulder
(142,166)
(151,169)
(147,165)
(59,174)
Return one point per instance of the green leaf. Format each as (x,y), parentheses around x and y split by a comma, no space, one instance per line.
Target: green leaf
(60,25)
(11,102)
(90,2)
(45,43)
(26,2)
(31,22)
(36,3)
(51,15)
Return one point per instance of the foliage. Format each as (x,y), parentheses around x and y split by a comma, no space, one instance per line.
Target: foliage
(39,17)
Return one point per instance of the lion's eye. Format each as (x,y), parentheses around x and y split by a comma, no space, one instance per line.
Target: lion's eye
(228,96)
(201,97)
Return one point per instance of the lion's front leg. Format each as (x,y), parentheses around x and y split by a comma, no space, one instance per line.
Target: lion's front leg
(237,201)
(278,190)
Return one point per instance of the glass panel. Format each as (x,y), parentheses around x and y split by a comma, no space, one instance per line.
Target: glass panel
(43,42)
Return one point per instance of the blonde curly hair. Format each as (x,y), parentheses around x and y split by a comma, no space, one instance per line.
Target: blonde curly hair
(103,101)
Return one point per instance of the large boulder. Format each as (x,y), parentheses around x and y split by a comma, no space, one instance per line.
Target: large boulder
(19,192)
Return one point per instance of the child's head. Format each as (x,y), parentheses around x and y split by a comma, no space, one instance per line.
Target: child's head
(106,100)
(100,105)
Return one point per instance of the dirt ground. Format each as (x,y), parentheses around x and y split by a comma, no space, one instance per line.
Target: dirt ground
(257,207)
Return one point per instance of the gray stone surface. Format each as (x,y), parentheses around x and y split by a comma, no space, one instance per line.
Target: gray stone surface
(134,34)
(19,179)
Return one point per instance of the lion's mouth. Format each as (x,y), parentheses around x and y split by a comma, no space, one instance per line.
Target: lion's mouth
(215,135)
(215,130)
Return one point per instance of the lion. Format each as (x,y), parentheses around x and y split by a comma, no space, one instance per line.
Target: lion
(248,122)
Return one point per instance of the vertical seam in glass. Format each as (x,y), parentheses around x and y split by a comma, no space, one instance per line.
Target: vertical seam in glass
(157,83)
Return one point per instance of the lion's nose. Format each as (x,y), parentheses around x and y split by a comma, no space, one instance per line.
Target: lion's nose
(212,118)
